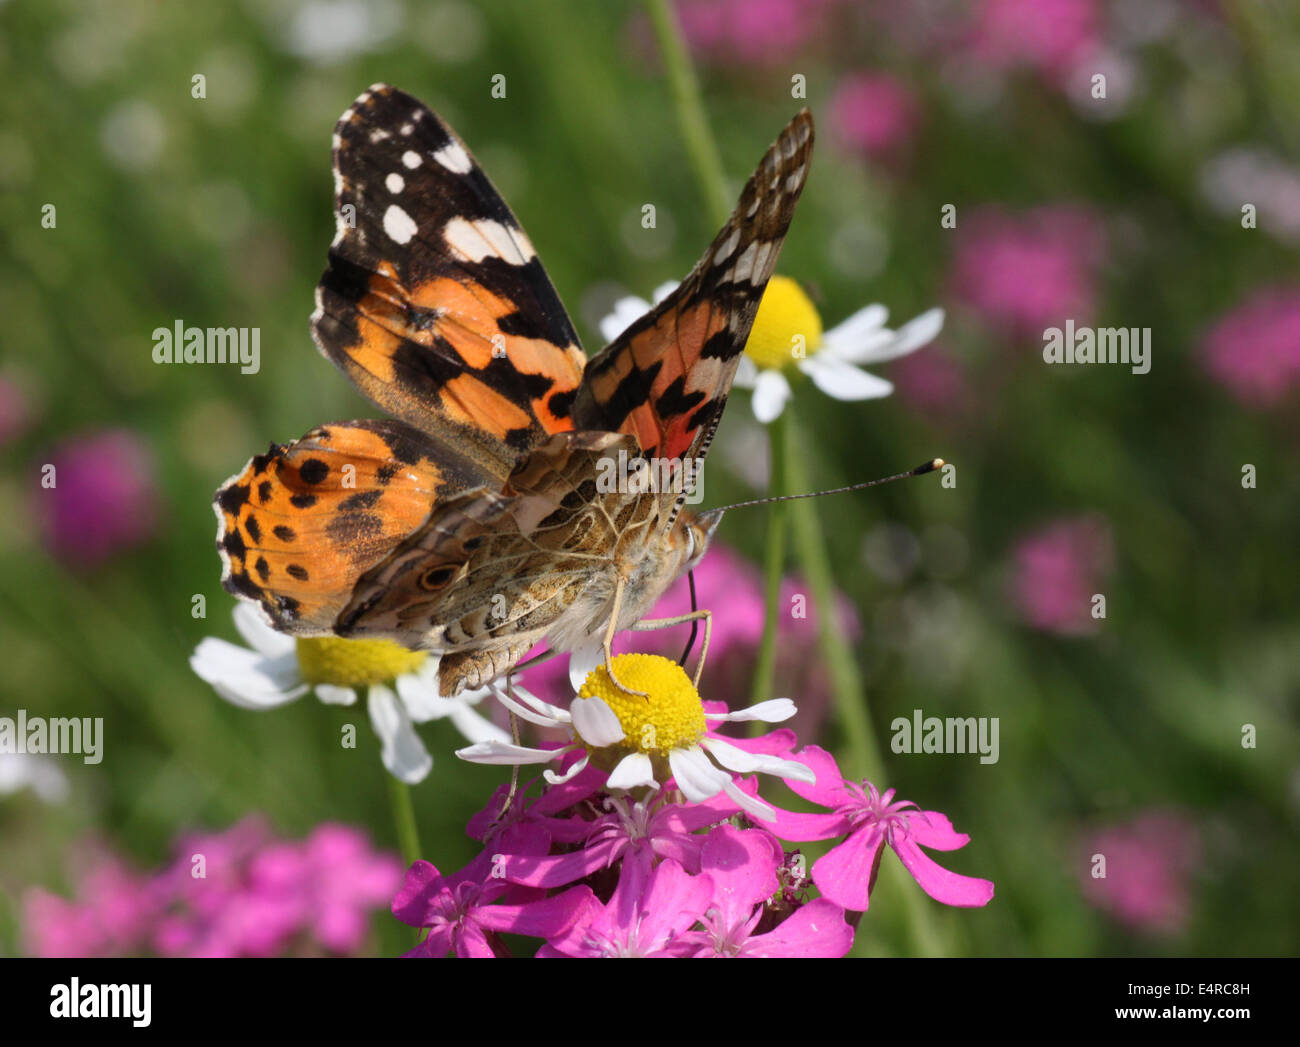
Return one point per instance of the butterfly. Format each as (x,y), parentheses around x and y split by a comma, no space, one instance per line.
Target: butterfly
(473,521)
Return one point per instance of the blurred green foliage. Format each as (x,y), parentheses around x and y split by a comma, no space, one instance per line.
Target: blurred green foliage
(228,225)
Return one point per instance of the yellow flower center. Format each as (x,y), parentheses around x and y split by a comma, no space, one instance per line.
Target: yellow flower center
(352,663)
(787,327)
(669,717)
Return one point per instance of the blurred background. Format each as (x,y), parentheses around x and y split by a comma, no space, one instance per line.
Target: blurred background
(1121,735)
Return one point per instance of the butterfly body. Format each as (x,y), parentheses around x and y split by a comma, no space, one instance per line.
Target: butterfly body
(475,522)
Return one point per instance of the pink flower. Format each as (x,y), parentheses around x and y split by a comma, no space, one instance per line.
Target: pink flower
(743,868)
(467,912)
(1026,273)
(112,913)
(240,892)
(1056,572)
(750,31)
(847,873)
(1147,862)
(104,497)
(1255,349)
(1049,36)
(648,915)
(874,114)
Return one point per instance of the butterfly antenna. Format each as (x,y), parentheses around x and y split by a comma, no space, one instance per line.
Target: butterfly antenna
(695,622)
(920,470)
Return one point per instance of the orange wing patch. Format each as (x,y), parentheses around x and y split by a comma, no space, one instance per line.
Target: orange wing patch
(301,523)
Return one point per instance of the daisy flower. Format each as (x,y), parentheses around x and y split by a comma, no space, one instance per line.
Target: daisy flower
(644,741)
(401,686)
(787,339)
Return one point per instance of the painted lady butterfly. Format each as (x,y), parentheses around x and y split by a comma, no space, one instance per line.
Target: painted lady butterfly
(471,522)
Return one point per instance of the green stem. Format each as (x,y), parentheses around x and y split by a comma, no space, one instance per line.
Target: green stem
(700,143)
(408,836)
(773,564)
(863,760)
(864,755)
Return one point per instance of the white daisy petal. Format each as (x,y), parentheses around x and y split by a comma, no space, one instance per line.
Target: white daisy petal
(508,753)
(736,759)
(664,290)
(419,693)
(632,772)
(695,775)
(887,345)
(474,726)
(843,381)
(859,327)
(578,767)
(776,710)
(583,660)
(246,678)
(401,749)
(333,694)
(746,373)
(258,635)
(41,774)
(595,722)
(916,333)
(771,391)
(528,706)
(751,804)
(625,313)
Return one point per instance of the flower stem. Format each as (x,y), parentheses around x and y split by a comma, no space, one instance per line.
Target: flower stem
(408,836)
(863,759)
(700,143)
(773,564)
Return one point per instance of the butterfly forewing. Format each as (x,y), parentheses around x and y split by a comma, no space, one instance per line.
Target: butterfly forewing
(435,304)
(666,378)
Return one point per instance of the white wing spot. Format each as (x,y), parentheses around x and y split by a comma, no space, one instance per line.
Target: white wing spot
(454,158)
(407,129)
(395,183)
(744,267)
(378,135)
(411,159)
(398,225)
(485,238)
(728,245)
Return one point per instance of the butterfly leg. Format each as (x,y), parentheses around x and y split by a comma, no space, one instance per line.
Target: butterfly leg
(514,769)
(609,639)
(647,624)
(536,659)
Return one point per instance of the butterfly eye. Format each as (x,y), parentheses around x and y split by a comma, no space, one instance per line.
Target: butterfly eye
(436,577)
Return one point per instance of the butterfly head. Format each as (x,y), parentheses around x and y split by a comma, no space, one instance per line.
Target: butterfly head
(696,530)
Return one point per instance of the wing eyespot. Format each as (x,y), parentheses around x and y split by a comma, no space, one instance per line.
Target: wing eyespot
(437,577)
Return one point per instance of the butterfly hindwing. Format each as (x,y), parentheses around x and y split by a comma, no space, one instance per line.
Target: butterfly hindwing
(665,380)
(435,304)
(299,525)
